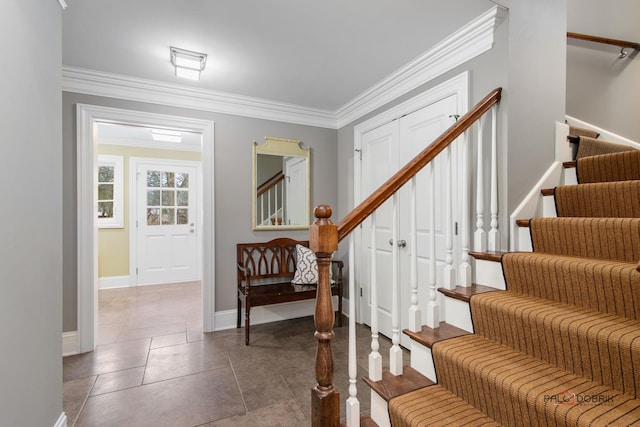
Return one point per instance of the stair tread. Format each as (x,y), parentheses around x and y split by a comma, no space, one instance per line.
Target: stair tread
(391,385)
(428,336)
(427,404)
(522,222)
(464,293)
(548,191)
(488,255)
(570,164)
(474,367)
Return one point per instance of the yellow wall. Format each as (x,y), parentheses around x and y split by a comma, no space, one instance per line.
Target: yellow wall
(113,243)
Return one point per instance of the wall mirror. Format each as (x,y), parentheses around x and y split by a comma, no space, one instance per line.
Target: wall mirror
(280,185)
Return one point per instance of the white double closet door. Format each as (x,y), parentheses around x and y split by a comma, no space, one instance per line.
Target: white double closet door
(384,151)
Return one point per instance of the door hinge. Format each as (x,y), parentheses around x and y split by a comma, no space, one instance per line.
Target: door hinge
(361,292)
(455,232)
(136,271)
(359,151)
(136,223)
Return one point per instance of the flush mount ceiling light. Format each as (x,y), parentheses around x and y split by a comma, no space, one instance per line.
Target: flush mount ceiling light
(166,135)
(188,64)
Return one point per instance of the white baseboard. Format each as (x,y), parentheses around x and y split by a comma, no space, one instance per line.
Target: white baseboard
(114,282)
(69,343)
(62,421)
(272,313)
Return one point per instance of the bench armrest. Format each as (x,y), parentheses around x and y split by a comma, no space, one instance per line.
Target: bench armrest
(243,275)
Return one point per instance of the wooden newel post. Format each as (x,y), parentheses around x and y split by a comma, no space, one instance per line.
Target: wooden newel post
(325,399)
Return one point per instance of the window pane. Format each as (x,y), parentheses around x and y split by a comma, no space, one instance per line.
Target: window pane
(105,191)
(168,216)
(182,180)
(183,198)
(168,198)
(153,216)
(168,179)
(153,178)
(105,173)
(105,209)
(183,216)
(153,197)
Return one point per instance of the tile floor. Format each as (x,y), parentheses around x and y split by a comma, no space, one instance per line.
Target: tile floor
(154,366)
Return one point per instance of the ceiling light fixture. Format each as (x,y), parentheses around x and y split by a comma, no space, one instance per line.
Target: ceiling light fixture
(188,64)
(166,135)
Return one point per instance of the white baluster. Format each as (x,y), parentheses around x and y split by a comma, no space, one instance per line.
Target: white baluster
(275,202)
(415,316)
(262,209)
(449,279)
(465,266)
(353,405)
(269,204)
(433,310)
(375,358)
(480,236)
(494,233)
(395,352)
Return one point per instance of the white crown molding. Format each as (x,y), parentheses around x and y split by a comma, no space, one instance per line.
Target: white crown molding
(473,39)
(465,44)
(62,4)
(110,85)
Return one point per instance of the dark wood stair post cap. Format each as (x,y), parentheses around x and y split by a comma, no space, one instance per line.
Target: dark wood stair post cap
(323,234)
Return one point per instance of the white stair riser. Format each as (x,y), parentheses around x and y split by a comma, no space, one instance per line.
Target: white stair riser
(549,207)
(489,273)
(422,360)
(524,240)
(457,313)
(379,410)
(569,176)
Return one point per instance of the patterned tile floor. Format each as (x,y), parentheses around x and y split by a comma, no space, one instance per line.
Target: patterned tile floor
(154,366)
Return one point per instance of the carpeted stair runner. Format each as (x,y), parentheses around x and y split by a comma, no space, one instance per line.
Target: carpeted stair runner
(594,147)
(579,131)
(622,166)
(561,346)
(620,199)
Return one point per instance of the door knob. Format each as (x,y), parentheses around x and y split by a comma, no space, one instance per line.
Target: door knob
(401,243)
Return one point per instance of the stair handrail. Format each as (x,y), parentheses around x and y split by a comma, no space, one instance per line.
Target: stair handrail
(622,44)
(393,184)
(270,183)
(323,241)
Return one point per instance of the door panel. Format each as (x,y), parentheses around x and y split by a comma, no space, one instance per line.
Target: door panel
(384,151)
(167,223)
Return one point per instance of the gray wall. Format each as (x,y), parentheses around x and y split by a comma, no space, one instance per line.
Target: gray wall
(602,89)
(234,138)
(31,194)
(536,90)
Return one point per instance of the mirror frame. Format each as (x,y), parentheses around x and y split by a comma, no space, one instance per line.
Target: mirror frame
(286,148)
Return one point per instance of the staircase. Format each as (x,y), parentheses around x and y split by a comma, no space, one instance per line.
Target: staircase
(561,345)
(547,336)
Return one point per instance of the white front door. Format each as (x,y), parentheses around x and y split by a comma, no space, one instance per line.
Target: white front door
(167,233)
(384,151)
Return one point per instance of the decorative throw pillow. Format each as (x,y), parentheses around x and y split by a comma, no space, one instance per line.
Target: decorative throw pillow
(306,267)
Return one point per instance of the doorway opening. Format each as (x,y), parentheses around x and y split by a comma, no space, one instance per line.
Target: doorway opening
(175,184)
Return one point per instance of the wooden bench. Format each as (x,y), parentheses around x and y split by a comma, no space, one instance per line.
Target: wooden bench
(265,271)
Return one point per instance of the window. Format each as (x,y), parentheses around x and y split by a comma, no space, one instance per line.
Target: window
(110,191)
(167,198)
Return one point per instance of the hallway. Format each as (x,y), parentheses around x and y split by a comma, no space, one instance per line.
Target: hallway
(154,366)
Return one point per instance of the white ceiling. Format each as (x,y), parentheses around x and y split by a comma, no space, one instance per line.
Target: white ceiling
(317,54)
